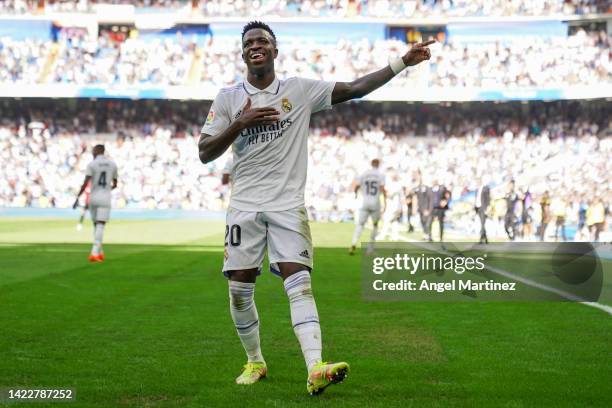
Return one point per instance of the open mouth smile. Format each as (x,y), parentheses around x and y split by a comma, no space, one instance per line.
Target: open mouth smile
(257,56)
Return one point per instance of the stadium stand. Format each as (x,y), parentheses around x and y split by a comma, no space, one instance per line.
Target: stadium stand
(560,147)
(582,58)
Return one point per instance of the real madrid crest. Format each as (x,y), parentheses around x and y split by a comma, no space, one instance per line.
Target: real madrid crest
(286,105)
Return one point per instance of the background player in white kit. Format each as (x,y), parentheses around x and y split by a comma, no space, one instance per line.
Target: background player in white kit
(266,121)
(226,172)
(372,186)
(392,217)
(226,178)
(102,172)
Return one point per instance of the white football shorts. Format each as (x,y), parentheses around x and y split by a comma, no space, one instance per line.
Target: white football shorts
(286,235)
(99,213)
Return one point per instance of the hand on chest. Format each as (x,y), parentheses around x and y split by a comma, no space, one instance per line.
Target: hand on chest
(266,135)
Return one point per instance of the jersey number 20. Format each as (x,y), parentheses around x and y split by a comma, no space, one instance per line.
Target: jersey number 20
(234,235)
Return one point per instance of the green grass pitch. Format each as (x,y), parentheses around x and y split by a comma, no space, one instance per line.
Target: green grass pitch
(150,327)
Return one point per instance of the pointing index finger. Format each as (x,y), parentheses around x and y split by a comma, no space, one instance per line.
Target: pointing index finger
(426,43)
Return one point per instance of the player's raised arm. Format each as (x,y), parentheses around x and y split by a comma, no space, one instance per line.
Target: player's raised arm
(345,91)
(211,147)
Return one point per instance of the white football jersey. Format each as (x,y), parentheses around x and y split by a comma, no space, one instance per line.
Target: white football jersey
(102,171)
(270,162)
(370,184)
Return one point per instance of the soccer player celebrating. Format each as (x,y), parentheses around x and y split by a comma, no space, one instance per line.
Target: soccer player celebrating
(266,121)
(372,185)
(102,173)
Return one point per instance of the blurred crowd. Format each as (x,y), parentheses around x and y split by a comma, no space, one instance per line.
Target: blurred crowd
(37,6)
(582,58)
(555,152)
(570,173)
(547,166)
(85,61)
(337,8)
(22,61)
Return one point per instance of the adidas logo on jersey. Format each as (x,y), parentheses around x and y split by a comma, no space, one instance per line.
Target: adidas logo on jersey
(304,253)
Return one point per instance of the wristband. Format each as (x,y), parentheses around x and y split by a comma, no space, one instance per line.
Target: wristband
(397,65)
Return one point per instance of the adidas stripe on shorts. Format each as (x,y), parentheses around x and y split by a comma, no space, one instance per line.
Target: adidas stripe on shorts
(286,235)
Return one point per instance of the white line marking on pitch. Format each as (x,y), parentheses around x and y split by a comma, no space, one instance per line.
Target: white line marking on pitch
(526,281)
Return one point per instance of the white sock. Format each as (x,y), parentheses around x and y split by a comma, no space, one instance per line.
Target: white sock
(98,234)
(246,319)
(357,233)
(304,316)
